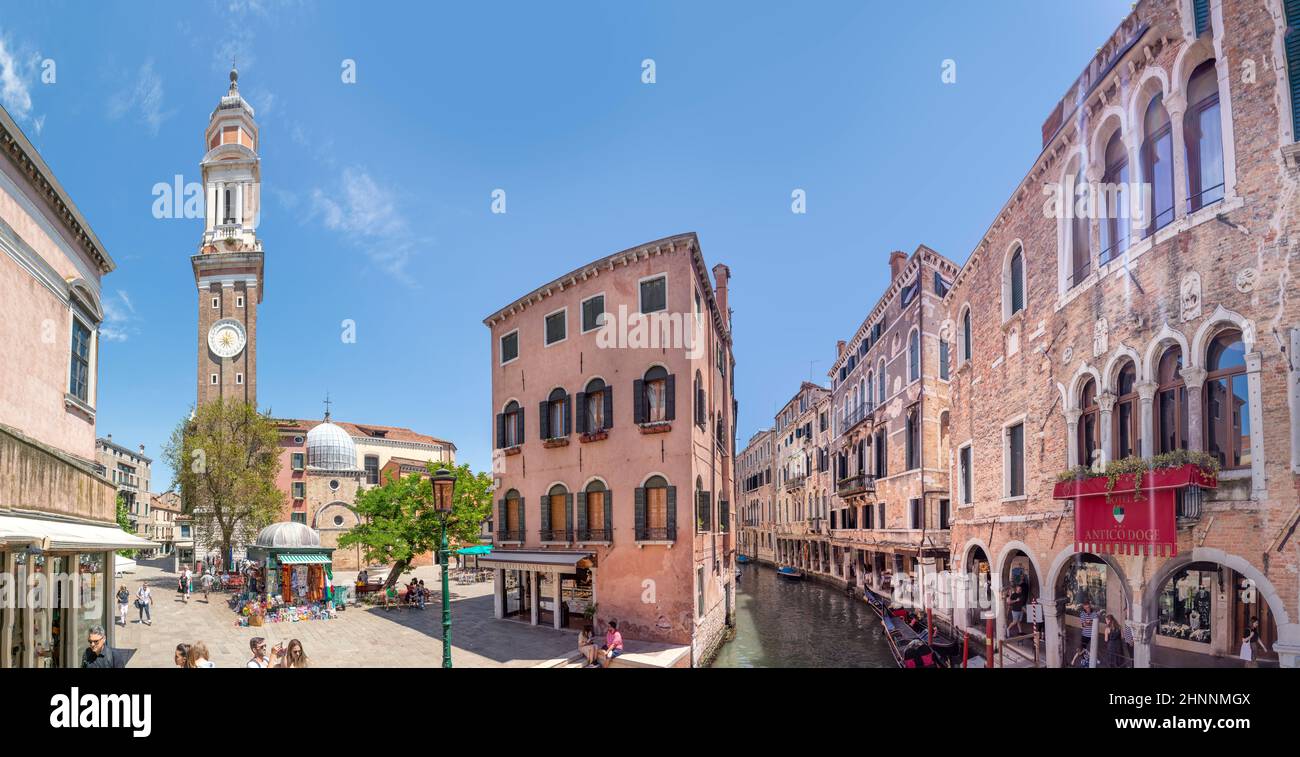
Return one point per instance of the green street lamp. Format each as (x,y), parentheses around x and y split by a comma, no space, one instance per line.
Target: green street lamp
(444,485)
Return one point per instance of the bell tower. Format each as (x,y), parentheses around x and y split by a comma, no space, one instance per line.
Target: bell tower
(228,266)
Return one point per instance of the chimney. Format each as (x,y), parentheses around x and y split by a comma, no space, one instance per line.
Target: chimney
(142,446)
(722,275)
(897,260)
(839,348)
(109,438)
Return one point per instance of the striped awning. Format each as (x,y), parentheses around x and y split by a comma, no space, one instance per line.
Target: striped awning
(303,558)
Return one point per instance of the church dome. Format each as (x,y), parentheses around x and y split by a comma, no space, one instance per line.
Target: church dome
(290,534)
(330,447)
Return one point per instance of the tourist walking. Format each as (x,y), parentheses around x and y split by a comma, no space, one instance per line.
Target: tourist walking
(1088,621)
(123,602)
(144,604)
(1016,602)
(197,656)
(1114,637)
(181,654)
(259,660)
(207,585)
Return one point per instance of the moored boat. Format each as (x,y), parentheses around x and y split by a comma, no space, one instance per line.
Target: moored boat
(787,571)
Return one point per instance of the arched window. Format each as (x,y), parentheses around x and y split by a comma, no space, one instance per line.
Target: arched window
(1015,291)
(656,514)
(593,407)
(1227,409)
(555,515)
(1171,403)
(871,381)
(1204,135)
(966,350)
(914,356)
(701,413)
(555,415)
(880,383)
(1080,234)
(594,511)
(510,427)
(1158,163)
(654,396)
(1115,220)
(512,527)
(1127,420)
(1089,420)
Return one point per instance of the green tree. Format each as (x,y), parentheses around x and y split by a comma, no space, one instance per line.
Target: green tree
(225,458)
(124,520)
(398,521)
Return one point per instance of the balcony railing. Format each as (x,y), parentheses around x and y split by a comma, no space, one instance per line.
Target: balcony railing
(854,417)
(649,533)
(795,483)
(510,535)
(596,534)
(557,534)
(859,484)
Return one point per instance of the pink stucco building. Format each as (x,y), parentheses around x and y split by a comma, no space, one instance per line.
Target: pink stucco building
(613,421)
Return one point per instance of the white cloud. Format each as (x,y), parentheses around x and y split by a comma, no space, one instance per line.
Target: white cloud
(14,94)
(367,214)
(146,97)
(119,317)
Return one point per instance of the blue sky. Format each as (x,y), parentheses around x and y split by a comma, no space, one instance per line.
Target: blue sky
(378,193)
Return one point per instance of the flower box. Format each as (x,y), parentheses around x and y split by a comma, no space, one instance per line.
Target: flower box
(515,450)
(656,428)
(1157,478)
(559,442)
(594,436)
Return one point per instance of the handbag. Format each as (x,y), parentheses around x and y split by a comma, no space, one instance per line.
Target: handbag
(139,604)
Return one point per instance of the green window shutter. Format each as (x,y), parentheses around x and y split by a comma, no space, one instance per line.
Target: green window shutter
(546,514)
(609,407)
(582,413)
(582,512)
(501,515)
(1201,10)
(672,513)
(639,511)
(568,515)
(1293,62)
(544,419)
(523,524)
(609,512)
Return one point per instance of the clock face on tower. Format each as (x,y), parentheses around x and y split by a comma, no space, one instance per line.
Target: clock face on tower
(226,338)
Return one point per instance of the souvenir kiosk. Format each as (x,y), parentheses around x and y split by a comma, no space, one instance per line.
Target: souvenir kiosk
(296,573)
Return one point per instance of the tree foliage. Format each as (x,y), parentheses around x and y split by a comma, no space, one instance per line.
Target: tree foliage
(398,521)
(225,458)
(124,521)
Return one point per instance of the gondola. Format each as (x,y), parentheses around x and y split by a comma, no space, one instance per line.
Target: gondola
(744,559)
(943,647)
(787,571)
(907,647)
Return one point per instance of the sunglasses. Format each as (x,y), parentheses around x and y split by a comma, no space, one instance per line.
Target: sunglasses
(94,640)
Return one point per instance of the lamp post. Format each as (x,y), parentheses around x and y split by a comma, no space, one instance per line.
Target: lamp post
(444,485)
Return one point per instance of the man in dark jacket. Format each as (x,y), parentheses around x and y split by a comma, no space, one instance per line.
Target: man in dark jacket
(98,654)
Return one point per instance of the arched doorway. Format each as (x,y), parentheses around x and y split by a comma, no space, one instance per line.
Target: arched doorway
(979,586)
(1089,584)
(1202,612)
(1020,592)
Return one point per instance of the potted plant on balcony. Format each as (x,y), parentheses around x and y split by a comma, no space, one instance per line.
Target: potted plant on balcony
(1176,469)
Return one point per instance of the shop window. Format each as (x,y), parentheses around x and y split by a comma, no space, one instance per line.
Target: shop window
(1185,603)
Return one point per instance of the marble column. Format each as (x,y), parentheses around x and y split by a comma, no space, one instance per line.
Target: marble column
(1107,404)
(212,206)
(1176,106)
(239,203)
(499,593)
(1194,378)
(1054,632)
(1142,632)
(1072,436)
(555,582)
(534,588)
(1146,396)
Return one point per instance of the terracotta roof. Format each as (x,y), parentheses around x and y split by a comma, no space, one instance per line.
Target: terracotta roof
(364,431)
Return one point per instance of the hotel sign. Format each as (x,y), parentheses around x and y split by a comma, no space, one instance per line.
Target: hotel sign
(1131,520)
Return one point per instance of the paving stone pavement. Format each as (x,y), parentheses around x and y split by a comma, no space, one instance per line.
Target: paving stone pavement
(361,636)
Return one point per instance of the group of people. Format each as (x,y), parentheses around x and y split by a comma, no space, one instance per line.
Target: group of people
(281,655)
(1114,648)
(143,604)
(414,594)
(603,655)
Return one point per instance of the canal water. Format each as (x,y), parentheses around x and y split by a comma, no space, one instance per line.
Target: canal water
(801,624)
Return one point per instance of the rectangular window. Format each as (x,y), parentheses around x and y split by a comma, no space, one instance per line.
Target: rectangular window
(699,589)
(79,380)
(592,309)
(372,469)
(298,518)
(297,461)
(880,510)
(509,347)
(964,473)
(216,303)
(913,440)
(239,379)
(299,489)
(916,513)
(945,515)
(1016,460)
(940,286)
(214,379)
(239,301)
(703,512)
(909,292)
(654,294)
(556,324)
(943,360)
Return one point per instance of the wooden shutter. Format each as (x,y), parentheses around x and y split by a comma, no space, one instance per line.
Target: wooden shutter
(609,407)
(546,515)
(638,401)
(1201,10)
(582,512)
(501,430)
(582,413)
(568,415)
(609,512)
(519,426)
(544,419)
(638,510)
(670,401)
(568,515)
(672,513)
